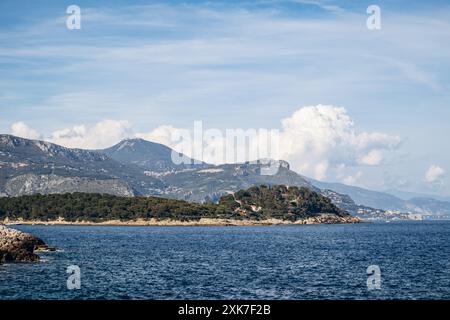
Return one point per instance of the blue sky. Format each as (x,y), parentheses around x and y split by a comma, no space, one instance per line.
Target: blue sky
(240,64)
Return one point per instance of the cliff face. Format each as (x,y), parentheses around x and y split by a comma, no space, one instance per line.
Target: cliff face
(29,184)
(17,246)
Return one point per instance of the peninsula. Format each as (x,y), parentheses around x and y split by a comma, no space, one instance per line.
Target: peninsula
(259,205)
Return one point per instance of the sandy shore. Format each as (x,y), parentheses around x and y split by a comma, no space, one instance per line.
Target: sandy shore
(201,222)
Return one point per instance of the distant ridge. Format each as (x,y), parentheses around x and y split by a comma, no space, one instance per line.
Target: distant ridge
(366,197)
(386,201)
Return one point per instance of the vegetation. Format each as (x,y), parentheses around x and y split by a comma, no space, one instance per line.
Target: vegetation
(255,203)
(282,202)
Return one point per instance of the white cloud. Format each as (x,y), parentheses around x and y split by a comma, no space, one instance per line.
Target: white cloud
(322,5)
(352,179)
(434,173)
(373,158)
(21,129)
(103,134)
(163,134)
(347,175)
(323,138)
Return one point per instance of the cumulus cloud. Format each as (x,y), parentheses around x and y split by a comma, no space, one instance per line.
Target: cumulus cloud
(103,134)
(21,129)
(434,174)
(373,158)
(346,175)
(164,134)
(100,135)
(323,138)
(352,179)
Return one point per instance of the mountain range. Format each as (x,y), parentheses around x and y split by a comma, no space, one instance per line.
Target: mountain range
(150,156)
(30,166)
(139,167)
(386,201)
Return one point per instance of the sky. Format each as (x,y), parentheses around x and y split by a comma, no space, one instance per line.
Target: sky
(363,107)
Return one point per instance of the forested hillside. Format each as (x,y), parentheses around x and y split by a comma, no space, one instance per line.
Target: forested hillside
(256,203)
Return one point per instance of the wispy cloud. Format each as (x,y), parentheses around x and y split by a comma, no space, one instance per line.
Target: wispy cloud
(325,5)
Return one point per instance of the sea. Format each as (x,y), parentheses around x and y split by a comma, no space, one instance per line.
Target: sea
(396,260)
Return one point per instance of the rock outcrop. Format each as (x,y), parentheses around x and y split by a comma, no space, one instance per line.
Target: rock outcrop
(330,219)
(17,246)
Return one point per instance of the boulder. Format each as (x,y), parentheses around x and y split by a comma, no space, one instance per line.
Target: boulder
(17,246)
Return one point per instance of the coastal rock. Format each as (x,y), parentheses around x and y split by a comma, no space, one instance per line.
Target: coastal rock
(331,219)
(17,246)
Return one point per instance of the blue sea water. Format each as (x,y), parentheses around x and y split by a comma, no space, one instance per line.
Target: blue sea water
(273,262)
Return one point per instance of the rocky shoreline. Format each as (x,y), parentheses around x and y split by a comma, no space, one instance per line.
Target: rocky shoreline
(321,219)
(17,246)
